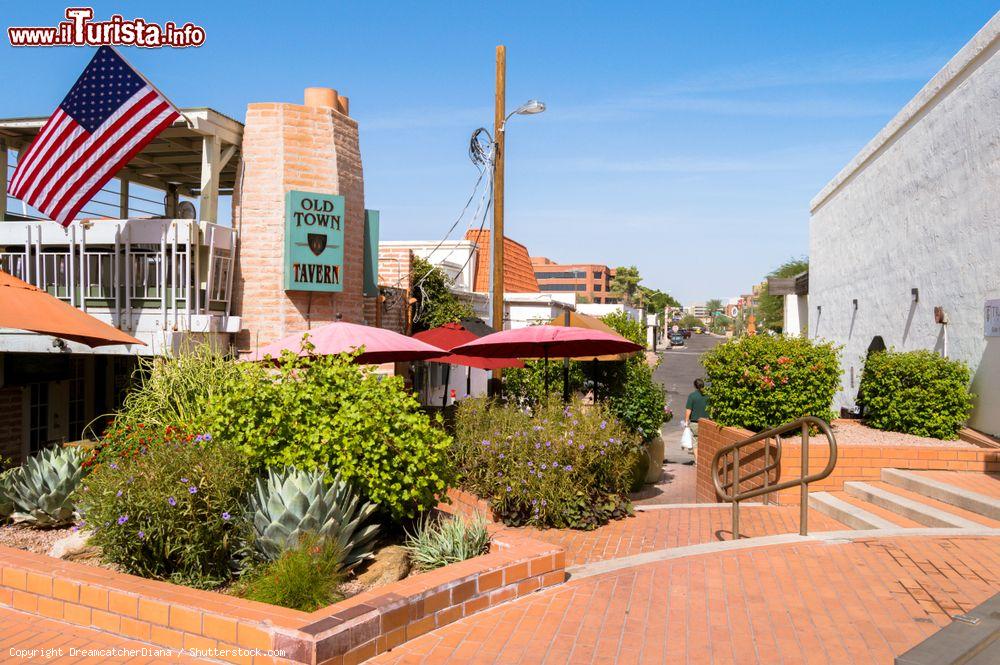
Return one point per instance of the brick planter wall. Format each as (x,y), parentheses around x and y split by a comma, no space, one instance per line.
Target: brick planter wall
(854,463)
(243,631)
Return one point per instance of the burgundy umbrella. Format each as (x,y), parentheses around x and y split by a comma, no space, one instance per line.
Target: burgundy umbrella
(450,335)
(380,345)
(547,342)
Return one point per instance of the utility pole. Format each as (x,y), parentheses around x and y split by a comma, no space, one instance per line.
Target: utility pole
(499,118)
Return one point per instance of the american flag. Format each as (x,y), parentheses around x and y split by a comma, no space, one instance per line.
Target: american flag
(109,115)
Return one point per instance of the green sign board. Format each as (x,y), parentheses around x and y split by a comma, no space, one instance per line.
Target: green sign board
(314,242)
(371,253)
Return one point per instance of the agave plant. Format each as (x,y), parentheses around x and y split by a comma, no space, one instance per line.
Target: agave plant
(291,503)
(42,490)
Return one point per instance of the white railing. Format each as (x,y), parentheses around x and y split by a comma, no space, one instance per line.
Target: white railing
(177,268)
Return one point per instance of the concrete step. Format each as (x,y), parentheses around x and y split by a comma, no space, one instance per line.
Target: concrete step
(913,509)
(975,502)
(878,511)
(847,513)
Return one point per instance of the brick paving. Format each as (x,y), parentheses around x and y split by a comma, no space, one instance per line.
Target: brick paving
(676,527)
(858,602)
(21,633)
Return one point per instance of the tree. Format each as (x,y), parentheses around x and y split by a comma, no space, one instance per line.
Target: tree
(714,306)
(436,304)
(626,283)
(720,323)
(771,309)
(656,301)
(691,321)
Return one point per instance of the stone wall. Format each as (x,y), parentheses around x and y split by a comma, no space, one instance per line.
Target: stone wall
(286,147)
(917,209)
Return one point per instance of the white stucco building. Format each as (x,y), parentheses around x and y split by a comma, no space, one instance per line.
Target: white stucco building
(905,240)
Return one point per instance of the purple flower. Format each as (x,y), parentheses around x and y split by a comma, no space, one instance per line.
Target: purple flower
(544,502)
(142,535)
(604,424)
(534,501)
(113,465)
(122,520)
(118,493)
(545,466)
(537,428)
(184,480)
(207,437)
(172,501)
(581,446)
(568,467)
(501,455)
(530,463)
(485,442)
(548,444)
(538,445)
(225,516)
(508,488)
(192,490)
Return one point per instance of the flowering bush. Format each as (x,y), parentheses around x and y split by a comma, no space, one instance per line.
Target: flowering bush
(916,392)
(763,381)
(563,466)
(172,508)
(328,413)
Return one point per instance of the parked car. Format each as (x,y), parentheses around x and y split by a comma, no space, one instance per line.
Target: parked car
(686,332)
(676,339)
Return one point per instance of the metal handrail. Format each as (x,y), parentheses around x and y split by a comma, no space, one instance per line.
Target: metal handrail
(803,424)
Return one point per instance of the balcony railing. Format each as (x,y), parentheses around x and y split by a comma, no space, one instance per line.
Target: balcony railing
(177,268)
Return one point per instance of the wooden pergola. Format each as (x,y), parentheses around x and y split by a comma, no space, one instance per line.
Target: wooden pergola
(197,156)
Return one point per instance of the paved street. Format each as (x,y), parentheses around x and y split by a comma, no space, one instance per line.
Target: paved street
(677,371)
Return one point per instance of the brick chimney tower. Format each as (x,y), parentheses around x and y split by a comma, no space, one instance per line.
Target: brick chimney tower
(310,148)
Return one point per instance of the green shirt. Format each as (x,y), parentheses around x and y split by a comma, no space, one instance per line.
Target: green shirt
(698,404)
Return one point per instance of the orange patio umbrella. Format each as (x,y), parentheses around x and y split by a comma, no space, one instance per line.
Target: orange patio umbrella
(26,307)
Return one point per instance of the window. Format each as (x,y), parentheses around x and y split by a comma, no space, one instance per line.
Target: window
(77,398)
(598,287)
(38,416)
(562,287)
(571,274)
(598,274)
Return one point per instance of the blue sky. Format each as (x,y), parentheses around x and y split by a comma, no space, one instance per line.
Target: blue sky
(686,138)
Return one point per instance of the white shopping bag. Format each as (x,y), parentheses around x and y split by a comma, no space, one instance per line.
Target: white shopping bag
(687,439)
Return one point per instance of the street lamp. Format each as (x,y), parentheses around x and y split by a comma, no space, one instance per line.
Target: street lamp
(500,118)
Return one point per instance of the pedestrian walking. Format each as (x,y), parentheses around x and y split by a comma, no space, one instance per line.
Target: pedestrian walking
(695,409)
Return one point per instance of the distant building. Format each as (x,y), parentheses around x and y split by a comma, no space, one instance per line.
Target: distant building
(591,282)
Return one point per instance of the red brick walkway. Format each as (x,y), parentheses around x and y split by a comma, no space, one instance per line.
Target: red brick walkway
(857,602)
(675,527)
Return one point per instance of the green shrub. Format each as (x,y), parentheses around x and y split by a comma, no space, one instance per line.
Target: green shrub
(176,510)
(328,413)
(639,402)
(763,381)
(304,578)
(525,386)
(176,390)
(563,466)
(41,491)
(439,541)
(916,392)
(291,503)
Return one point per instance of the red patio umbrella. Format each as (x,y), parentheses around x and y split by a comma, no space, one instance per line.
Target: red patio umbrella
(380,345)
(450,335)
(26,307)
(547,342)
